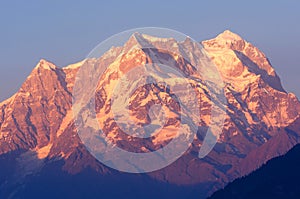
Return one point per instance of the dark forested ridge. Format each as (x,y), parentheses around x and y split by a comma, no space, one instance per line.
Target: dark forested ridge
(278,178)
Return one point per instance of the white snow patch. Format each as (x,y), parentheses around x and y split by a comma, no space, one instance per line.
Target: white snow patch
(45,65)
(228,36)
(75,65)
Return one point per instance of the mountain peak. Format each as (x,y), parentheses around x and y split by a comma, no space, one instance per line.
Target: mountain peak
(137,35)
(229,36)
(146,41)
(226,40)
(135,40)
(46,65)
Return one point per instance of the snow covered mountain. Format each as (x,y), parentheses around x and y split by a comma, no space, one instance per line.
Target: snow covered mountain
(37,127)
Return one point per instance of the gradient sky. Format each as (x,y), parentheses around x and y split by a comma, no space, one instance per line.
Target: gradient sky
(64,32)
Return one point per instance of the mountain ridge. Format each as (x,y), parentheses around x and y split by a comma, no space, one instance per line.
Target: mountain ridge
(38,118)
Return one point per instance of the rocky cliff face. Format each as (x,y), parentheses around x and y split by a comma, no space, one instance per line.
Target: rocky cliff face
(38,121)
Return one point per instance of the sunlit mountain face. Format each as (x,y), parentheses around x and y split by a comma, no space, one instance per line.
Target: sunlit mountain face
(42,155)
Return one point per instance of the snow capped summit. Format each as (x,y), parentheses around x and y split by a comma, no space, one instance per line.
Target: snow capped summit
(228,36)
(136,40)
(143,41)
(238,59)
(46,65)
(225,40)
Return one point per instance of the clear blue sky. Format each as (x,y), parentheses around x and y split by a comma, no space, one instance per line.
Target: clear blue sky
(64,32)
